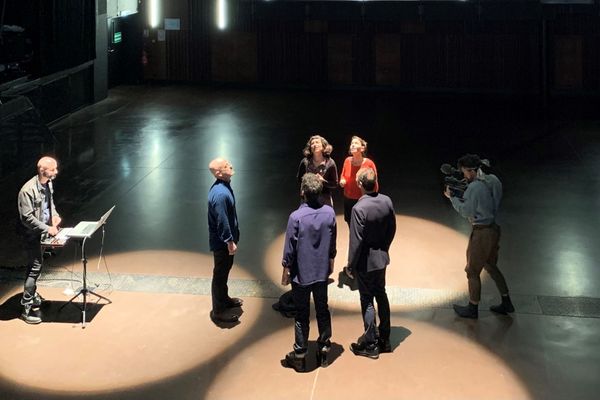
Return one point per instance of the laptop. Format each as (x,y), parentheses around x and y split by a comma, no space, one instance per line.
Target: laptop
(85,229)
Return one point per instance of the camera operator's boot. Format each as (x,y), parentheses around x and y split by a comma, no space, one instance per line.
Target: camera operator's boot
(469,311)
(505,307)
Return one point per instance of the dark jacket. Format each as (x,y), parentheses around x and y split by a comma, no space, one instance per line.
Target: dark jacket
(222,216)
(372,229)
(328,171)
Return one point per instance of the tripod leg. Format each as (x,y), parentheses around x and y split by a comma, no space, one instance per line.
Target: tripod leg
(99,296)
(83,309)
(71,300)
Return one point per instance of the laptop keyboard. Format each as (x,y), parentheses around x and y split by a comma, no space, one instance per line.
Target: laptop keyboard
(89,229)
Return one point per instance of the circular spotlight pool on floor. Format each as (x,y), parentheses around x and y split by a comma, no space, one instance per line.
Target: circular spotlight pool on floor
(156,328)
(426,269)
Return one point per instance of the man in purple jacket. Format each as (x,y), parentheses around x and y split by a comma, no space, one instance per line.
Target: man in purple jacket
(308,255)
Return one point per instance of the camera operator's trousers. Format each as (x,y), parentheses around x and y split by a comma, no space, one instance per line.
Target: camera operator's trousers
(482,253)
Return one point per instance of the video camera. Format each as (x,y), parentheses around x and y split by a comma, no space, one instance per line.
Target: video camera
(454,180)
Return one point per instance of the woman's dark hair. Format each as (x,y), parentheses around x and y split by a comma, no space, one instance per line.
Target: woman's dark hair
(469,161)
(327,148)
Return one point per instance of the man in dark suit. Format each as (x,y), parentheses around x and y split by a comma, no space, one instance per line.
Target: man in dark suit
(372,229)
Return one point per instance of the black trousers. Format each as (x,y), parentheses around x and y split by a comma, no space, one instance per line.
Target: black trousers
(348,204)
(219,289)
(34,267)
(301,295)
(371,286)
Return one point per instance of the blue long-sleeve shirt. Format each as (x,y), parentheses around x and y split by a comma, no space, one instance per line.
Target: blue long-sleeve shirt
(310,242)
(480,201)
(222,217)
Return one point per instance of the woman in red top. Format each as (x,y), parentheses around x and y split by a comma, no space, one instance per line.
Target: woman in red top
(358,150)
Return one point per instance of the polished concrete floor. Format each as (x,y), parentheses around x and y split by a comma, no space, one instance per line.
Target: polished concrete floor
(146,149)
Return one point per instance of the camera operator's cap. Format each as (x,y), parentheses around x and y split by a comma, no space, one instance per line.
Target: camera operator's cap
(469,161)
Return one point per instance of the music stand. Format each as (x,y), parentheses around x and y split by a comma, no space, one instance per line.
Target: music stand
(84,291)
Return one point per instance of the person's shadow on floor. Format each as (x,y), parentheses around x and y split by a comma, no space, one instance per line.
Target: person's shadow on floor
(237,311)
(335,352)
(52,311)
(398,334)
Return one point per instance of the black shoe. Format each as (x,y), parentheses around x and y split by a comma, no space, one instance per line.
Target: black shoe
(505,307)
(234,302)
(295,361)
(223,317)
(384,346)
(38,300)
(31,316)
(469,311)
(362,349)
(322,355)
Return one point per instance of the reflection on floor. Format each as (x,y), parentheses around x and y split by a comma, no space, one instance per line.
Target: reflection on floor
(145,149)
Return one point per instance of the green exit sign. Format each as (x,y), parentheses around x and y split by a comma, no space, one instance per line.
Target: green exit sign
(117,37)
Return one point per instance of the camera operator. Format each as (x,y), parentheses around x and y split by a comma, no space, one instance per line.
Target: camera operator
(479,205)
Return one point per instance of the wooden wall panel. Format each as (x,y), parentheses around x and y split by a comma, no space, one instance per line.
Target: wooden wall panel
(201,14)
(287,54)
(178,56)
(315,45)
(568,50)
(234,57)
(591,62)
(388,56)
(339,59)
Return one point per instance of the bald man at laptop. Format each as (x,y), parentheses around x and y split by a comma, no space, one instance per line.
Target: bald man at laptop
(38,220)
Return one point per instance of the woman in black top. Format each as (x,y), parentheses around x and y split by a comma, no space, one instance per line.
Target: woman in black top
(317,159)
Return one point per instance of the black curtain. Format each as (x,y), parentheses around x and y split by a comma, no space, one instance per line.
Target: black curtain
(58,34)
(67,31)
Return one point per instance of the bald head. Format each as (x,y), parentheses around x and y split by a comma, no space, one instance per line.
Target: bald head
(46,162)
(221,169)
(47,169)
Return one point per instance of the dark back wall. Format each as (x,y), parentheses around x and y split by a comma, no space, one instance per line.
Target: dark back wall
(62,32)
(521,47)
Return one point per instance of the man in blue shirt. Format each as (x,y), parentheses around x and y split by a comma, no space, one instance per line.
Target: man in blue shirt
(479,205)
(308,255)
(224,235)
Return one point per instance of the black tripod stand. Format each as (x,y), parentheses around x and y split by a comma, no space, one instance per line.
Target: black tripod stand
(84,291)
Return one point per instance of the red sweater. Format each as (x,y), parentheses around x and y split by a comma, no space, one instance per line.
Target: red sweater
(351,189)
